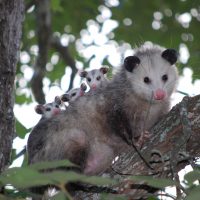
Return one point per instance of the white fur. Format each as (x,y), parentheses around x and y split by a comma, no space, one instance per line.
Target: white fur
(152,65)
(92,79)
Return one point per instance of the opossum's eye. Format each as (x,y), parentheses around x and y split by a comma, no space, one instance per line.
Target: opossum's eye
(147,80)
(57,106)
(73,94)
(48,109)
(165,77)
(88,79)
(98,78)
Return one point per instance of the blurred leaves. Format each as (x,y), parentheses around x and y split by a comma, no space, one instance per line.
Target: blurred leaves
(191,177)
(59,196)
(21,99)
(52,164)
(194,193)
(154,182)
(39,174)
(20,129)
(71,18)
(56,6)
(74,14)
(168,31)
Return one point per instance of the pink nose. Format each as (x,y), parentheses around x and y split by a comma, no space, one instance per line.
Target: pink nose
(159,94)
(56,111)
(81,93)
(93,86)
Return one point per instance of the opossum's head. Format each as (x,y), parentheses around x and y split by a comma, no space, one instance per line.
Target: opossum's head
(95,77)
(73,94)
(152,73)
(50,109)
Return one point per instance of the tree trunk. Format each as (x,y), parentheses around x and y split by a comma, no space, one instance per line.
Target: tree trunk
(11,17)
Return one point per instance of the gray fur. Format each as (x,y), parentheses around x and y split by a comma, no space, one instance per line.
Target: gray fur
(95,78)
(96,127)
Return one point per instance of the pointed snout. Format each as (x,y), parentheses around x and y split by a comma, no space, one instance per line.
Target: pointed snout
(159,94)
(93,86)
(56,111)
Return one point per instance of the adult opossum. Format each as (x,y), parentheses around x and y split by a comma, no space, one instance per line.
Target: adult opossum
(96,127)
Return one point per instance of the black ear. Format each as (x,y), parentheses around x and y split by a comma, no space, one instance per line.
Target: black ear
(131,62)
(39,109)
(65,97)
(83,74)
(57,100)
(83,87)
(170,55)
(104,70)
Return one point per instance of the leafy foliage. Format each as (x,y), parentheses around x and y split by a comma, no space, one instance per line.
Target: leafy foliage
(21,130)
(39,174)
(154,182)
(191,180)
(160,22)
(50,173)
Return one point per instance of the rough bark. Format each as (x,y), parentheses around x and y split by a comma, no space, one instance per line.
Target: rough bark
(174,143)
(11,17)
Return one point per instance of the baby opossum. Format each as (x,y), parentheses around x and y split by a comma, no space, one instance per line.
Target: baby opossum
(98,126)
(50,109)
(73,94)
(95,78)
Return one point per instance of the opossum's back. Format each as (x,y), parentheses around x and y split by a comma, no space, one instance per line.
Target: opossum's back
(73,128)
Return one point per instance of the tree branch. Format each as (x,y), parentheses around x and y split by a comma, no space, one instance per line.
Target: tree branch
(64,52)
(174,140)
(43,19)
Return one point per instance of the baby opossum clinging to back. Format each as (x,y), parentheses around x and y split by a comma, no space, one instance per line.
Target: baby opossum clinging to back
(95,78)
(50,109)
(74,94)
(98,126)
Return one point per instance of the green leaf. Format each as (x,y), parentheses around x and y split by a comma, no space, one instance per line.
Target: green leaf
(112,197)
(154,182)
(20,129)
(68,176)
(153,198)
(192,176)
(13,155)
(52,164)
(194,194)
(56,6)
(23,178)
(15,194)
(21,99)
(2,197)
(96,180)
(59,196)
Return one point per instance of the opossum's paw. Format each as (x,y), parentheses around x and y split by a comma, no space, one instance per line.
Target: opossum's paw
(145,135)
(98,161)
(92,166)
